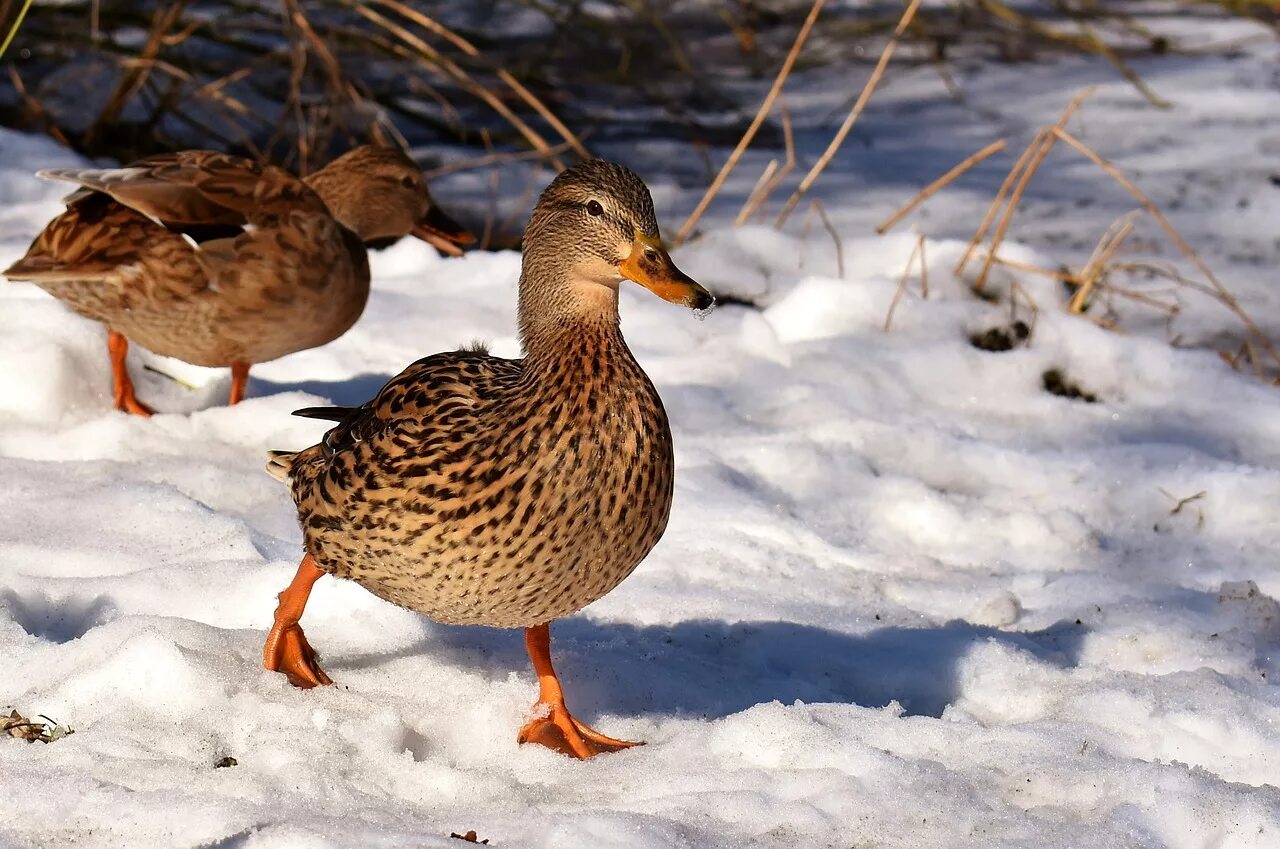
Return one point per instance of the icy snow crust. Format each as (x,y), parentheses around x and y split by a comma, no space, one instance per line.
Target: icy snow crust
(907,597)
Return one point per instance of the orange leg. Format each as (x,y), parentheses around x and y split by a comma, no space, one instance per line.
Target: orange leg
(558,729)
(239,382)
(287,649)
(122,385)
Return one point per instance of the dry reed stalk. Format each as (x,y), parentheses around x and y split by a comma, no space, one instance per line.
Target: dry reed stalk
(1087,42)
(458,73)
(1168,272)
(756,122)
(771,184)
(918,250)
(924,267)
(1015,197)
(1223,295)
(131,81)
(1013,175)
(495,179)
(1093,270)
(752,197)
(998,201)
(491,159)
(854,113)
(36,107)
(470,49)
(17,24)
(835,237)
(937,184)
(1014,289)
(1142,298)
(1064,276)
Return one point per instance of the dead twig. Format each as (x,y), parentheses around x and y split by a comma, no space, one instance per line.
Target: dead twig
(503,74)
(754,127)
(462,77)
(852,117)
(937,184)
(767,183)
(493,159)
(835,237)
(1096,267)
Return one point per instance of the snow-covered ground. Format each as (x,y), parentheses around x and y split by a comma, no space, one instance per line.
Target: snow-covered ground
(908,598)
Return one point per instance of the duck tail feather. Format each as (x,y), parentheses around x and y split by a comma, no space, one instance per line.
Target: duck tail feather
(329,414)
(280,464)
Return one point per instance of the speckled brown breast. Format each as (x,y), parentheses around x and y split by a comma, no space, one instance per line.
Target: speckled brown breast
(494,492)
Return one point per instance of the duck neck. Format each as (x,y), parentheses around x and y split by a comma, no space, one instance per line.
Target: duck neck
(569,325)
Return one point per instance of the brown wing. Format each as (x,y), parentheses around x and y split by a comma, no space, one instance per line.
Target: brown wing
(189,221)
(198,187)
(435,394)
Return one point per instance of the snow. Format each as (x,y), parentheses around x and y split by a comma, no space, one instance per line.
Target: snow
(907,598)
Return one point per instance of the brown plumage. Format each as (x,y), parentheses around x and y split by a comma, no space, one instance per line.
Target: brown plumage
(487,491)
(220,261)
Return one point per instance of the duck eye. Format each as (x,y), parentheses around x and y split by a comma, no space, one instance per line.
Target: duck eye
(408,182)
(594,208)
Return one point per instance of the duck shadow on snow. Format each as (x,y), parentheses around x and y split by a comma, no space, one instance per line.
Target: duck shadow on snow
(711,669)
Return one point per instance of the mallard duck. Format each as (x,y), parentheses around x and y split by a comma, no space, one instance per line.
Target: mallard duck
(509,493)
(220,261)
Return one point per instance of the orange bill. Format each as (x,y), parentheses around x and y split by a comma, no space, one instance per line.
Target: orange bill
(651,267)
(442,232)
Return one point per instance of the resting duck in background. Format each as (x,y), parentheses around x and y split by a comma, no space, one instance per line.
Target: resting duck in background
(220,261)
(508,493)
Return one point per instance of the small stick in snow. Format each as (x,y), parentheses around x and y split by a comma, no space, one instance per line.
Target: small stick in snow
(1064,276)
(1092,273)
(852,117)
(835,237)
(1031,304)
(918,250)
(754,127)
(767,184)
(937,184)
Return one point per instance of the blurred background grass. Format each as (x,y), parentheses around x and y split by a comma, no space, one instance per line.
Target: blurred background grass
(296,82)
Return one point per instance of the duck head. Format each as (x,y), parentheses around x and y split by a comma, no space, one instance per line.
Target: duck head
(596,226)
(379,194)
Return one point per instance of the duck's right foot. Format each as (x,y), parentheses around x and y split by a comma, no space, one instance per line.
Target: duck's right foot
(288,651)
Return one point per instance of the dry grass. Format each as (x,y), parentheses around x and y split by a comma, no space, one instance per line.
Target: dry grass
(917,251)
(1094,279)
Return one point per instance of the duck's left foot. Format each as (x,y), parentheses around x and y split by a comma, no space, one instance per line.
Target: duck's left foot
(559,730)
(287,649)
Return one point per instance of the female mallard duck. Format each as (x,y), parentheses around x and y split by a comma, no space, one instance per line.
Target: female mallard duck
(220,261)
(508,493)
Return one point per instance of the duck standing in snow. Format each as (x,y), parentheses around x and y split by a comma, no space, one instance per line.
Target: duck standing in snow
(507,493)
(220,261)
